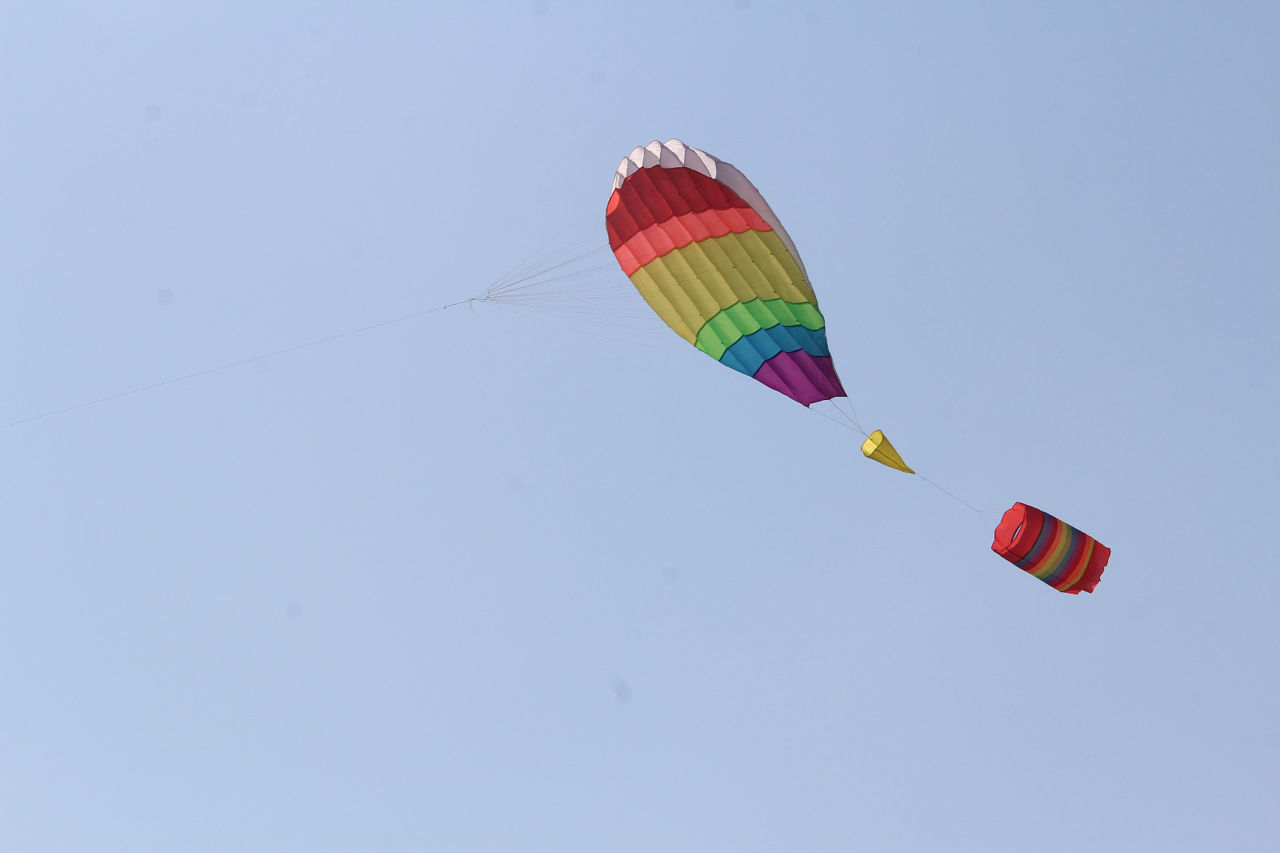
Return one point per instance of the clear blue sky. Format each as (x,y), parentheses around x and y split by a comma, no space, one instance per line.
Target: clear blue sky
(489,581)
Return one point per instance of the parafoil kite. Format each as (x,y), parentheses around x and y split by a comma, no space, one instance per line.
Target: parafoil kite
(710,257)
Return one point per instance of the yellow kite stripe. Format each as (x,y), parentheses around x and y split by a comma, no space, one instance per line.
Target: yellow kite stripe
(690,285)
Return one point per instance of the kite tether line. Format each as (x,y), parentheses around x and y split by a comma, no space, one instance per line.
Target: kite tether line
(544,275)
(238,362)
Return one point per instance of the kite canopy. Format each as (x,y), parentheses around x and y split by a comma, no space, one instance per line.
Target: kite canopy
(1065,558)
(710,257)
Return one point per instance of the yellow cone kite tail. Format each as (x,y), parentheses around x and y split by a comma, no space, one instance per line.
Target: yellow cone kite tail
(879,448)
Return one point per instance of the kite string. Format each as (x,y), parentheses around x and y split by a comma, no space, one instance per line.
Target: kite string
(850,422)
(950,494)
(238,363)
(844,421)
(532,271)
(851,415)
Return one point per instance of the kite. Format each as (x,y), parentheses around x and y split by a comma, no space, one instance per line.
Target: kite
(710,257)
(1067,559)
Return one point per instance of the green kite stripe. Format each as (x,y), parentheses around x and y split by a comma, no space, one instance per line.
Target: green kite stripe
(743,318)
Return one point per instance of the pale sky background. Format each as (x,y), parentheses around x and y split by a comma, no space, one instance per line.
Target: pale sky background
(494,580)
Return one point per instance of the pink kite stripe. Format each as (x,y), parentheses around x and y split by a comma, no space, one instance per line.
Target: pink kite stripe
(681,230)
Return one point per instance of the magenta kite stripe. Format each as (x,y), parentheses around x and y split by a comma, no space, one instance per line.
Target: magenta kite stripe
(805,378)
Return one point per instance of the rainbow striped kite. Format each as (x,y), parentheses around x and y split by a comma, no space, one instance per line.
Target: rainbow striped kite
(1067,559)
(709,256)
(707,253)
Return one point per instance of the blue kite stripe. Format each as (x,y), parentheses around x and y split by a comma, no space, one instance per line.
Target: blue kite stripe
(750,351)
